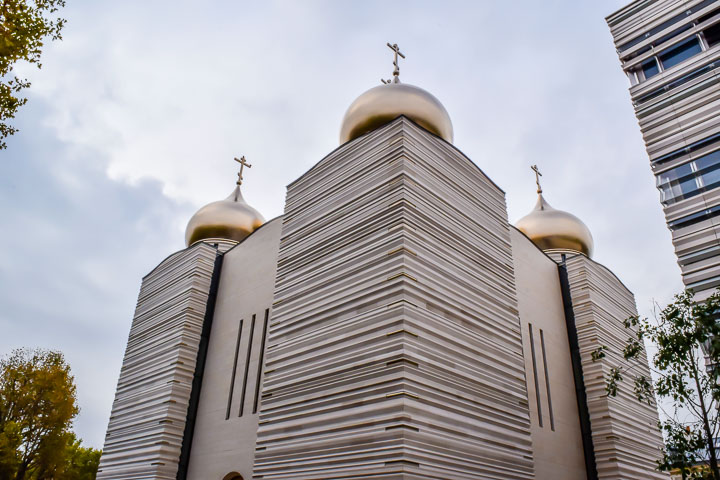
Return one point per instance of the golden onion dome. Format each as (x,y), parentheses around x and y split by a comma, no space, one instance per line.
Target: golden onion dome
(552,229)
(229,219)
(383,104)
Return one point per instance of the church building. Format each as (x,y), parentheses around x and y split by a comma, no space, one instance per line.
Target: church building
(390,325)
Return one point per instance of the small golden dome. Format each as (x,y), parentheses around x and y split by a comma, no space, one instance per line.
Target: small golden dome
(384,103)
(552,229)
(229,219)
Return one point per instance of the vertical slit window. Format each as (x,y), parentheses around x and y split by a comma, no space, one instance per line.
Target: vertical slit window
(247,367)
(535,375)
(260,361)
(234,370)
(547,381)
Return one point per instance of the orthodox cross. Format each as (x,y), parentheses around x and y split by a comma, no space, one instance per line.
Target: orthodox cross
(396,72)
(243,163)
(535,169)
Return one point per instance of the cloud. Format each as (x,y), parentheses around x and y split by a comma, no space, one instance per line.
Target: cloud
(75,246)
(136,115)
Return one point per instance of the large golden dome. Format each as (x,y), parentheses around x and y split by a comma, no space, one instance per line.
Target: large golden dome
(384,103)
(552,229)
(229,219)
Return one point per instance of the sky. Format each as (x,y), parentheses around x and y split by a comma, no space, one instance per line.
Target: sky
(135,117)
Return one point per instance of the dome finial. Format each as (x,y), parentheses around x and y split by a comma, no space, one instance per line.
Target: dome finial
(384,103)
(243,163)
(535,169)
(230,219)
(396,72)
(554,230)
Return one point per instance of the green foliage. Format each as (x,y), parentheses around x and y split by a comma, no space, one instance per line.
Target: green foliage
(81,463)
(599,353)
(37,406)
(24,26)
(682,447)
(687,337)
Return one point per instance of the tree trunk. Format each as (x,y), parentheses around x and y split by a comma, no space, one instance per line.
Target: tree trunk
(708,432)
(20,475)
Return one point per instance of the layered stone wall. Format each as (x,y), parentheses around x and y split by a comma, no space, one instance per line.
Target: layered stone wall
(145,433)
(395,349)
(625,436)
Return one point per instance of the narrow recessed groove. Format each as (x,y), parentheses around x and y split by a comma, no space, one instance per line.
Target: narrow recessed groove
(404,462)
(407,394)
(247,367)
(402,274)
(547,381)
(402,330)
(260,360)
(234,370)
(535,375)
(402,249)
(409,427)
(394,304)
(402,360)
(401,202)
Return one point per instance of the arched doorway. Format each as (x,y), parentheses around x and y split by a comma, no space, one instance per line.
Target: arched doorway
(233,476)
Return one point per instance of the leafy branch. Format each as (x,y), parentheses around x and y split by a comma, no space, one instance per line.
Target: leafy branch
(24,27)
(686,334)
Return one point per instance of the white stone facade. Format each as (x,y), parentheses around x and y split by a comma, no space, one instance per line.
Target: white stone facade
(390,325)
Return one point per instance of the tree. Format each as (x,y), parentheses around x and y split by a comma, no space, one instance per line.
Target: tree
(81,463)
(686,368)
(37,406)
(24,26)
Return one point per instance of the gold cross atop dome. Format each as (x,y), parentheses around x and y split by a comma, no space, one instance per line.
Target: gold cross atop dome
(231,219)
(243,163)
(396,71)
(535,169)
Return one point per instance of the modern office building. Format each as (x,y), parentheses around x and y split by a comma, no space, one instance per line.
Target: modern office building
(391,324)
(670,51)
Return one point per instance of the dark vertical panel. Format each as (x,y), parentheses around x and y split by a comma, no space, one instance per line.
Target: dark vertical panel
(260,360)
(547,381)
(234,370)
(199,371)
(576,360)
(247,367)
(534,364)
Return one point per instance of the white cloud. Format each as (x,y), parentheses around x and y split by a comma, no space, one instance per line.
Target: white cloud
(164,94)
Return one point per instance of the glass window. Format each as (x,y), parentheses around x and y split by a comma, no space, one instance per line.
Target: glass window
(690,179)
(708,16)
(709,160)
(676,173)
(709,169)
(680,53)
(711,179)
(650,68)
(672,34)
(712,35)
(694,218)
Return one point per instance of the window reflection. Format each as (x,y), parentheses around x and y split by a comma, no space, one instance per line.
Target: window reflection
(712,35)
(650,68)
(680,52)
(690,179)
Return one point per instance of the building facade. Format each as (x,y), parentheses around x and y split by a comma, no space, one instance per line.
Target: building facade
(670,50)
(391,324)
